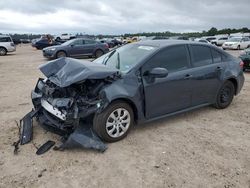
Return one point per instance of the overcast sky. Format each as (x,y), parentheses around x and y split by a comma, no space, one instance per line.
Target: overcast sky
(121,16)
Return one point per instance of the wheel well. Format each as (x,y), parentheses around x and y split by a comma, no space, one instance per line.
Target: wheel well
(131,104)
(99,50)
(234,81)
(3,48)
(61,51)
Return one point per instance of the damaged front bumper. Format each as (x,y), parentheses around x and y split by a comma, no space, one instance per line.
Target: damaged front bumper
(63,111)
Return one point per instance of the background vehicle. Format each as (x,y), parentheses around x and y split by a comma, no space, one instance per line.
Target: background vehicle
(236,43)
(209,38)
(65,36)
(202,40)
(110,43)
(219,41)
(116,42)
(6,45)
(44,42)
(155,38)
(76,48)
(245,57)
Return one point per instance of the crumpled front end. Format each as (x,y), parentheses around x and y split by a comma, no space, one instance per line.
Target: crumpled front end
(60,109)
(64,101)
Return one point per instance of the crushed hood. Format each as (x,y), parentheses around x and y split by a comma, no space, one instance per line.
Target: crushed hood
(66,71)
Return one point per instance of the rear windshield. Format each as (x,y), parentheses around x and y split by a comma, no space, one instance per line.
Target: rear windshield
(5,39)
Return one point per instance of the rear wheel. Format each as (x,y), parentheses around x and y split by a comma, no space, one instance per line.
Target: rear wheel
(61,54)
(114,123)
(3,51)
(225,95)
(98,53)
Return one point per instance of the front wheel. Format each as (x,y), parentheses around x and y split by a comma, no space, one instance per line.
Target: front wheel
(225,95)
(3,51)
(114,123)
(61,54)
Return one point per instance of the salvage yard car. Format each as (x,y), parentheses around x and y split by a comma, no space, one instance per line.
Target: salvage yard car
(135,83)
(6,45)
(245,57)
(75,48)
(236,43)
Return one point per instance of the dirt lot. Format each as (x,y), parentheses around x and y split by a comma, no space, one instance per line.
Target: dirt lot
(203,148)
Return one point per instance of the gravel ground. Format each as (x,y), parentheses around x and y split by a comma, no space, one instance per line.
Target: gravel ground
(203,148)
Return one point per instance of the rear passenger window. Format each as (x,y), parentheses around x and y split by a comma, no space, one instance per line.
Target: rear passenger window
(173,59)
(201,55)
(5,39)
(90,42)
(216,56)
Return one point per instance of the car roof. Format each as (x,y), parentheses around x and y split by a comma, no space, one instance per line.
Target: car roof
(168,42)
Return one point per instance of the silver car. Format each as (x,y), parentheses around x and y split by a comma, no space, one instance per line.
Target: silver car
(6,45)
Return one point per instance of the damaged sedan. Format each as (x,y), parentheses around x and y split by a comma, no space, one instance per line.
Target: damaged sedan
(135,83)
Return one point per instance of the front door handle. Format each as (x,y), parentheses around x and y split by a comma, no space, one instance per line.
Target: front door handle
(188,76)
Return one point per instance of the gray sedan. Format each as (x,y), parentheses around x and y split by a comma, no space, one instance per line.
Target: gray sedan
(76,48)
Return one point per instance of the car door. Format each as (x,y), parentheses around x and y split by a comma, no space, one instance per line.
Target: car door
(76,48)
(173,92)
(206,73)
(89,46)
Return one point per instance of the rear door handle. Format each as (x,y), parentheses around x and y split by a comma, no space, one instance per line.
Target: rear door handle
(188,76)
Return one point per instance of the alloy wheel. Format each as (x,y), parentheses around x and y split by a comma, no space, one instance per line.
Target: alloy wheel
(118,122)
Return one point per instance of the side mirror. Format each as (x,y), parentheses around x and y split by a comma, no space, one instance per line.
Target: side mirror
(157,72)
(72,45)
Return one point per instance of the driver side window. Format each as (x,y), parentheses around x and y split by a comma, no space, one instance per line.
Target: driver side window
(173,59)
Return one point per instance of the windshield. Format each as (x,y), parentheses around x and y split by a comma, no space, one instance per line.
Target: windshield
(234,40)
(126,57)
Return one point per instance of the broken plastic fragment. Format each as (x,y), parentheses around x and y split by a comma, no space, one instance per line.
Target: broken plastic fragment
(26,127)
(45,147)
(83,137)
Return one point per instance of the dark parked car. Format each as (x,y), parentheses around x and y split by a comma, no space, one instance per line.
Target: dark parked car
(76,48)
(135,83)
(245,56)
(108,42)
(116,42)
(43,42)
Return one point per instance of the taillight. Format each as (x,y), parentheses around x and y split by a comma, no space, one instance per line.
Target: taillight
(241,64)
(106,45)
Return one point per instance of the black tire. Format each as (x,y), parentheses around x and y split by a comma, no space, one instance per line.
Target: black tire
(61,54)
(225,95)
(100,121)
(98,53)
(238,47)
(3,51)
